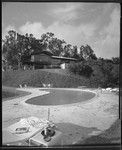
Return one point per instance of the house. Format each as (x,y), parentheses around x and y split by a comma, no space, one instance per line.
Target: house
(46,59)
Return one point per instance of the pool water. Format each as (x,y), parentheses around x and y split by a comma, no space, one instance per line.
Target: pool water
(61,97)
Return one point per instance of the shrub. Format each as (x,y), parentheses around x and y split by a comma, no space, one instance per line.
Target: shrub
(100,72)
(81,69)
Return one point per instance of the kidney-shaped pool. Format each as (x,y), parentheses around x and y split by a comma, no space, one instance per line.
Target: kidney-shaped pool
(61,97)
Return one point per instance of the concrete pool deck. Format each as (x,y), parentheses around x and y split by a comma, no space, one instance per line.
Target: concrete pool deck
(85,118)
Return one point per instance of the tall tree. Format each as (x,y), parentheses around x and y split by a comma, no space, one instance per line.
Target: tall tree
(46,38)
(74,52)
(87,53)
(17,48)
(67,50)
(81,53)
(56,46)
(10,48)
(52,43)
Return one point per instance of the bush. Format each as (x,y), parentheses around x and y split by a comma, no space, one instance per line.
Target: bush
(101,73)
(81,69)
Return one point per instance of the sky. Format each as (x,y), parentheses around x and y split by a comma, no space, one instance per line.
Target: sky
(78,23)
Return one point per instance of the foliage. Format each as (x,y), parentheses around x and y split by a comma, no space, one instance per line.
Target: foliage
(104,72)
(56,46)
(16,48)
(87,53)
(115,60)
(74,53)
(81,69)
(110,72)
(52,43)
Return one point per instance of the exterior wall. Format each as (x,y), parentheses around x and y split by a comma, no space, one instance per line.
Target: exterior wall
(46,58)
(41,58)
(55,61)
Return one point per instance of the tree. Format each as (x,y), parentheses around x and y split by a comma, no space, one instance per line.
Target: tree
(87,53)
(17,48)
(46,38)
(56,46)
(74,53)
(115,75)
(116,60)
(33,44)
(67,50)
(81,53)
(10,48)
(109,71)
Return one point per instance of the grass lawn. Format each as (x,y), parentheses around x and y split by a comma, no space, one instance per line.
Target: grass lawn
(9,93)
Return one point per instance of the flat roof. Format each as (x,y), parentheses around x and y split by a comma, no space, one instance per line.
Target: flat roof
(65,58)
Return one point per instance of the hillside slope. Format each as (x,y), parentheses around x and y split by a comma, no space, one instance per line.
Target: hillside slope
(36,78)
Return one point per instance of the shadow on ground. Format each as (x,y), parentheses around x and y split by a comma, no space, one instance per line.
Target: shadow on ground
(109,136)
(73,133)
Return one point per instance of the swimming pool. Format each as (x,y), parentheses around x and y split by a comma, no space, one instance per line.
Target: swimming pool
(61,97)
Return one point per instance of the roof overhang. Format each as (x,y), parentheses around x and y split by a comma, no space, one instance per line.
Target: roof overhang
(64,58)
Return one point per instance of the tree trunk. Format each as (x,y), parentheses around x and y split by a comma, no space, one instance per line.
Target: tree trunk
(19,64)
